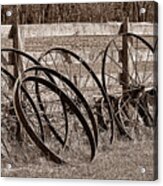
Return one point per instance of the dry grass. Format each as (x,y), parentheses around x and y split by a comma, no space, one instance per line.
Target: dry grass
(121,160)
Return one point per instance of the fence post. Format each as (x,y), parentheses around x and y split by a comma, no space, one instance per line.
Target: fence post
(17,44)
(124,57)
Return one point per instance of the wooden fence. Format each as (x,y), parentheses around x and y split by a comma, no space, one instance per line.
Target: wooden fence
(86,39)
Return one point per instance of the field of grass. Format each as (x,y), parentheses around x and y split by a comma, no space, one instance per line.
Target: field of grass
(121,160)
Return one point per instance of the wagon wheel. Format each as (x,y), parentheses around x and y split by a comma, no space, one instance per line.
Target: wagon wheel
(141,65)
(71,154)
(78,72)
(69,86)
(73,70)
(54,133)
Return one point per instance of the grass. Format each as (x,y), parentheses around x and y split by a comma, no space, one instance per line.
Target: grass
(121,160)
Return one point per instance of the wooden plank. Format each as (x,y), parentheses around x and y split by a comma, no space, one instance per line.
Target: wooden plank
(79,29)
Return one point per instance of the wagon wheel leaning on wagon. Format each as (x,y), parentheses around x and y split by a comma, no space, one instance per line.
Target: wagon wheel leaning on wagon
(130,82)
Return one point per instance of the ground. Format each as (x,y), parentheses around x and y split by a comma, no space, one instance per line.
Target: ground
(120,160)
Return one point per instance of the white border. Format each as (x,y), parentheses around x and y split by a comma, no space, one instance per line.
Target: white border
(47,182)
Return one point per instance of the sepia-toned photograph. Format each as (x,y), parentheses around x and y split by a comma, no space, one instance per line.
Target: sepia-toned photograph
(79,91)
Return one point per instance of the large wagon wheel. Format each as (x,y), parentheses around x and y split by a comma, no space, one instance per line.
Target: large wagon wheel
(63,62)
(79,73)
(80,153)
(141,66)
